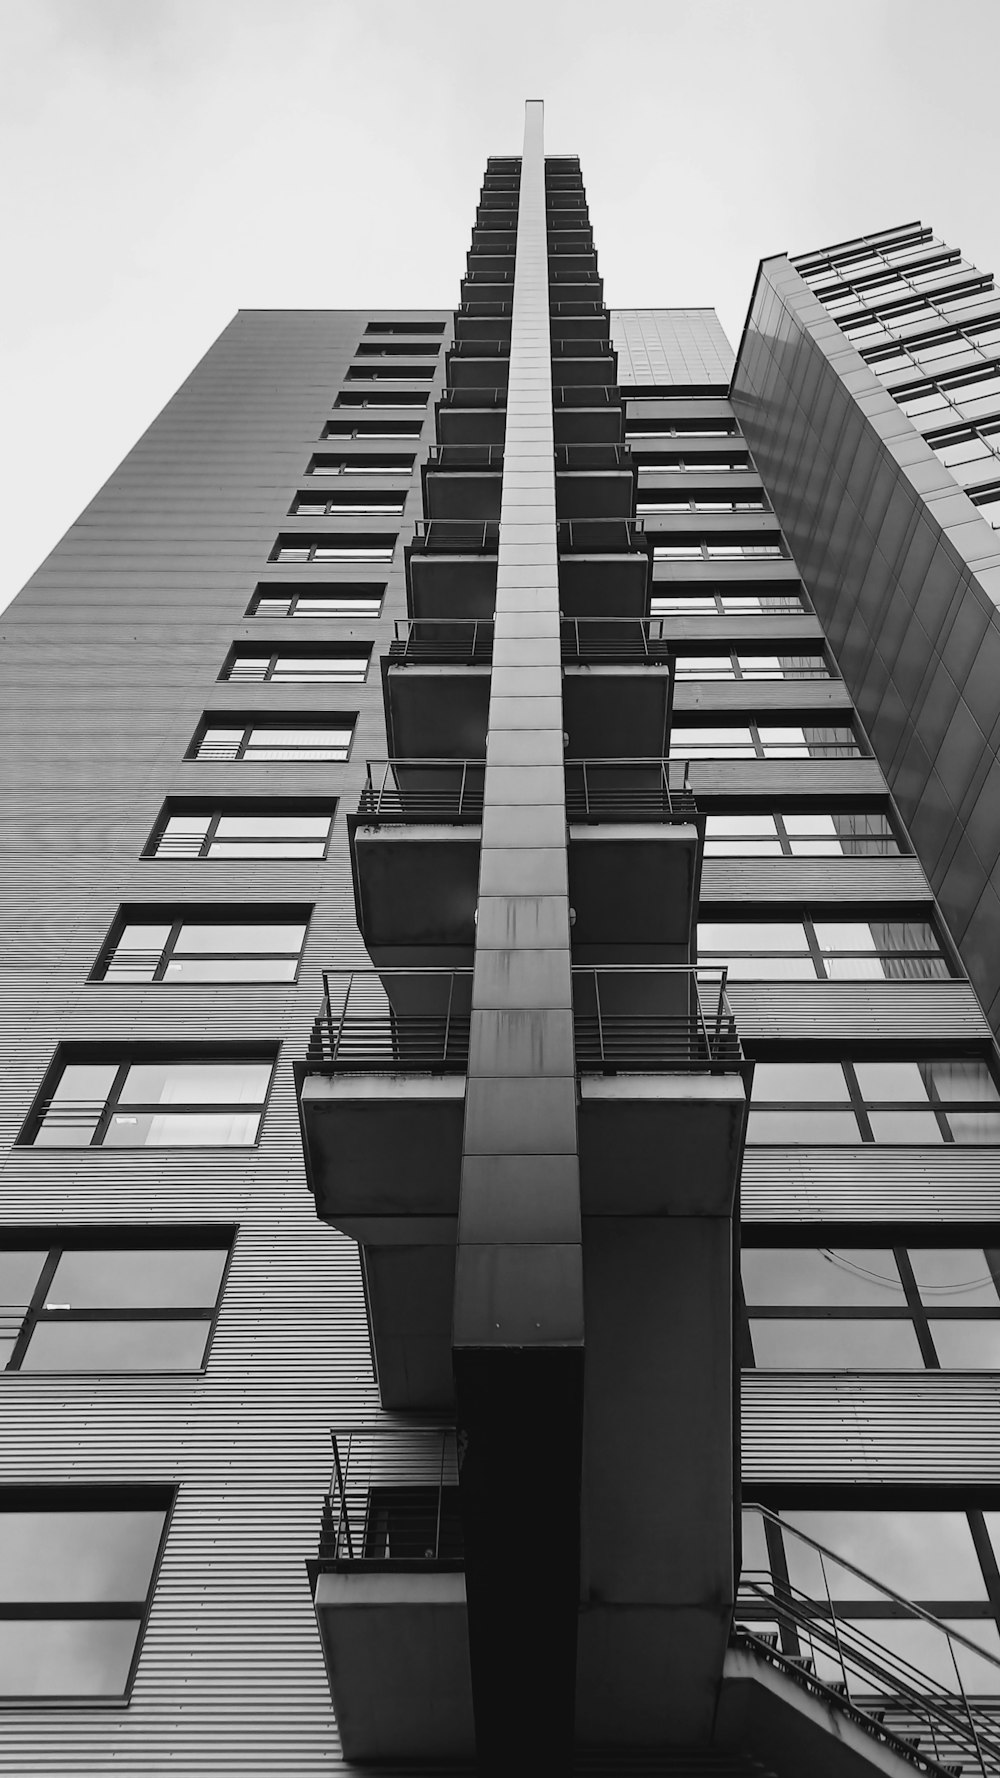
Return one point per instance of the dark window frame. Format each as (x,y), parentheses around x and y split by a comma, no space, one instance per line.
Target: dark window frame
(854,914)
(177,916)
(216,808)
(270,653)
(291,721)
(306,595)
(856,1103)
(125,1056)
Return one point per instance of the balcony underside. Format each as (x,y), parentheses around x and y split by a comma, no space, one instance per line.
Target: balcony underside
(600,585)
(440,712)
(580,494)
(633,887)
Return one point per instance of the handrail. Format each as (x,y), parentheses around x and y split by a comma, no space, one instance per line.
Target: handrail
(393,1498)
(628,639)
(410,791)
(814,1637)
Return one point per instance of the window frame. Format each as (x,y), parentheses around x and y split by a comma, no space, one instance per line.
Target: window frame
(80,1237)
(306,594)
(216,808)
(124,1057)
(861,1107)
(287,722)
(177,916)
(808,916)
(303,549)
(269,654)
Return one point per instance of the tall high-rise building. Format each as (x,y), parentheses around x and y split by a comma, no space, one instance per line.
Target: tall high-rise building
(501,1156)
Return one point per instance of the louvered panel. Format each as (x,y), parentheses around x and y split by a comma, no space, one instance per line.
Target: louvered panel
(871,1184)
(814,698)
(863,1011)
(908,1427)
(775,627)
(149,591)
(813,879)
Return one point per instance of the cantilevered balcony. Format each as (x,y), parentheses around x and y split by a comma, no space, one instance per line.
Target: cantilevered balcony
(587,415)
(389,1593)
(462,482)
(635,849)
(605,566)
(617,686)
(595,481)
(451,568)
(471,417)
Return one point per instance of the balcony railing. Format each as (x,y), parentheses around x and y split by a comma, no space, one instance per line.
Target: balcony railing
(456,537)
(484,458)
(667,1018)
(393,1500)
(475,396)
(917,1685)
(640,641)
(592,537)
(449,792)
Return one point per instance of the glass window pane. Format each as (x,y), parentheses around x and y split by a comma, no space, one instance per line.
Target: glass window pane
(855,969)
(741,824)
(273,826)
(810,1275)
(891,1080)
(139,1278)
(53,1658)
(811,1128)
(142,938)
(835,1345)
(86,1081)
(913,1127)
(975,1126)
(922,1555)
(196,1083)
(77,1556)
(967,1078)
(207,1129)
(844,935)
(799,1080)
(231,969)
(762,935)
(967,1345)
(280,936)
(117,1346)
(762,969)
(955,1275)
(19,1273)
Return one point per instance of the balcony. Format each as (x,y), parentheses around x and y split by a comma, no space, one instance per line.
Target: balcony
(617,687)
(471,417)
(586,416)
(451,568)
(605,567)
(595,481)
(389,1594)
(463,482)
(635,848)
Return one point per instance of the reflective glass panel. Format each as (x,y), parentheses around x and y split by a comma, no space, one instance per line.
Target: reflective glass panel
(967,1345)
(78,1556)
(196,1083)
(799,1080)
(139,1278)
(801,1276)
(922,1555)
(809,1127)
(956,1276)
(848,1344)
(117,1346)
(60,1658)
(19,1274)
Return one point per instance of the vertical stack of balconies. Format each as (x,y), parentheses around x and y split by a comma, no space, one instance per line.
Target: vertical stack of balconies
(529,1112)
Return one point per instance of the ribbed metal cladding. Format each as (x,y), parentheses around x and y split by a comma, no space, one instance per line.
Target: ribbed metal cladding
(518,1327)
(920,1428)
(870,1184)
(859,1012)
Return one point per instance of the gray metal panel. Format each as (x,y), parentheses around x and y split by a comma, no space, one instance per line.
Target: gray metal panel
(871,1184)
(869,1426)
(814,698)
(683,346)
(787,880)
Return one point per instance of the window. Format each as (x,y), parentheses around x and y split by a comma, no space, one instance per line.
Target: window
(649,462)
(392,327)
(970,453)
(77,1567)
(257,829)
(782,833)
(394,373)
(177,946)
(369,505)
(987,500)
(848,1308)
(114,1299)
(714,549)
(813,948)
(752,666)
(327,738)
(383,349)
(398,400)
(344,465)
(92,1100)
(380,429)
(636,429)
(272,599)
(903,1099)
(346,664)
(331,547)
(750,739)
(657,503)
(716,602)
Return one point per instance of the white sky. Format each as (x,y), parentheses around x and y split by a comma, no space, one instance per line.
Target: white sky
(170,161)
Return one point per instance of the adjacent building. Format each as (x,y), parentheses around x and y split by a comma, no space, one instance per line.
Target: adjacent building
(499,1239)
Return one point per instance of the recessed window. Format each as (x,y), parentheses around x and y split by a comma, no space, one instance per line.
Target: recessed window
(390,373)
(346,664)
(339,465)
(750,739)
(393,327)
(652,504)
(77,1567)
(814,948)
(857,1307)
(372,400)
(230,830)
(327,738)
(902,1100)
(274,600)
(114,1299)
(183,947)
(714,549)
(345,505)
(404,349)
(331,547)
(717,602)
(383,430)
(791,833)
(150,1100)
(752,666)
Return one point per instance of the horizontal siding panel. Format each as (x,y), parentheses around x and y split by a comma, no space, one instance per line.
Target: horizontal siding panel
(815,698)
(919,1428)
(813,879)
(871,1184)
(890,1011)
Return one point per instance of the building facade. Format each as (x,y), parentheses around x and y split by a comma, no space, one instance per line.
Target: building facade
(501,1113)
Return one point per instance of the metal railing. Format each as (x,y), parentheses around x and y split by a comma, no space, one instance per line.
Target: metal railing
(461,639)
(609,790)
(602,537)
(593,456)
(404,792)
(393,1499)
(474,396)
(460,537)
(627,1019)
(414,792)
(447,457)
(933,1697)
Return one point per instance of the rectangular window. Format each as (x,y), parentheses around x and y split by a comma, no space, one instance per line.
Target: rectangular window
(854,1307)
(394,373)
(715,549)
(77,1567)
(410,349)
(649,508)
(380,429)
(326,465)
(327,739)
(369,505)
(782,833)
(347,664)
(750,739)
(902,1100)
(159,1101)
(272,599)
(183,947)
(393,327)
(114,1299)
(331,547)
(188,828)
(752,666)
(717,602)
(807,948)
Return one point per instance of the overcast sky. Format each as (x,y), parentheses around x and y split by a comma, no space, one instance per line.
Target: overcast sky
(170,161)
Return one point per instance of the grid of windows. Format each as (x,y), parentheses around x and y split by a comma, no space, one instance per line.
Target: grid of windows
(771,740)
(752,666)
(968,396)
(345,665)
(164,1102)
(77,1567)
(785,833)
(330,741)
(241,831)
(896,1099)
(849,1308)
(201,947)
(331,548)
(972,453)
(113,1299)
(278,601)
(820,948)
(956,348)
(719,602)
